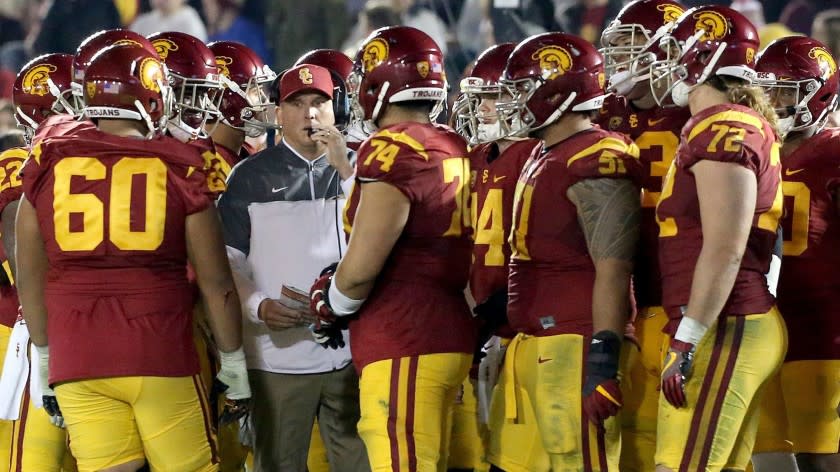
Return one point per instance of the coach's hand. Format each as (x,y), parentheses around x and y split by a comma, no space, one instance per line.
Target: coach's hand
(47,394)
(232,381)
(278,316)
(332,142)
(601,393)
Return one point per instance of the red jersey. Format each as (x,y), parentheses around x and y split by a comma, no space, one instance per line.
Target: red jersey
(11,189)
(809,283)
(218,161)
(62,125)
(551,272)
(656,132)
(418,305)
(112,213)
(493,180)
(723,133)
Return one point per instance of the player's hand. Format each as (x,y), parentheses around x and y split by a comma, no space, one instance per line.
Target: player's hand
(47,394)
(328,334)
(278,316)
(601,393)
(319,302)
(232,381)
(330,140)
(676,371)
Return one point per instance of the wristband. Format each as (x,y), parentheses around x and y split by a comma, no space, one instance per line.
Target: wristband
(341,304)
(690,331)
(235,358)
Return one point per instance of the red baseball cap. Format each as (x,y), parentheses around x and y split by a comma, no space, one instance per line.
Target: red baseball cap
(305,78)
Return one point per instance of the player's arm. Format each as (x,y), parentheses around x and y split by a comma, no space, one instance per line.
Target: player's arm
(31,278)
(8,233)
(726,193)
(208,257)
(608,213)
(380,218)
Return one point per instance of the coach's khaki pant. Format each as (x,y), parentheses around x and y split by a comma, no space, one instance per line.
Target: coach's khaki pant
(284,409)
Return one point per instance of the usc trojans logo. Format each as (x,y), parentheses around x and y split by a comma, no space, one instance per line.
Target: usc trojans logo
(826,63)
(713,24)
(36,80)
(423,69)
(91,89)
(554,61)
(127,42)
(222,62)
(163,47)
(305,76)
(375,53)
(670,12)
(151,74)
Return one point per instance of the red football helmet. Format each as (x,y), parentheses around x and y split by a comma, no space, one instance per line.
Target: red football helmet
(396,64)
(42,88)
(92,45)
(706,41)
(629,35)
(194,79)
(243,74)
(801,76)
(546,75)
(127,82)
(471,119)
(331,59)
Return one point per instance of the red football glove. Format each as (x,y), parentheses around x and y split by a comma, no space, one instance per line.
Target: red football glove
(601,393)
(676,371)
(318,301)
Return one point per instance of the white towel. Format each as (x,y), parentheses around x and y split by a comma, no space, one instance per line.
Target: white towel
(15,373)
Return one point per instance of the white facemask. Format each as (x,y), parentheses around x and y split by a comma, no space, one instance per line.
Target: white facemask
(680,94)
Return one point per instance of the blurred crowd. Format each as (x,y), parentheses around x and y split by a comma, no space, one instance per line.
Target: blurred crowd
(281,30)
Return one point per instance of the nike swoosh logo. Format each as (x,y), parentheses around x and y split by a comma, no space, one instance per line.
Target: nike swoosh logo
(654,122)
(275,190)
(496,179)
(789,172)
(543,361)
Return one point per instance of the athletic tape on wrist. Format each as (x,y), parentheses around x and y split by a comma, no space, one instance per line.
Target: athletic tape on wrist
(690,331)
(341,304)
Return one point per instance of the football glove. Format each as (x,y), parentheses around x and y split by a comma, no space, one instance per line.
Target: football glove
(601,393)
(319,301)
(328,334)
(676,371)
(47,394)
(488,375)
(491,314)
(232,381)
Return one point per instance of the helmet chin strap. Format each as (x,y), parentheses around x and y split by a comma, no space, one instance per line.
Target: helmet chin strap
(558,112)
(146,118)
(379,101)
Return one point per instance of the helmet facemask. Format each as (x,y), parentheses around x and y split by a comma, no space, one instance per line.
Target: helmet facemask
(197,101)
(791,99)
(254,115)
(476,115)
(515,116)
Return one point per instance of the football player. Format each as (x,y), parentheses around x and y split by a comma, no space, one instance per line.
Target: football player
(244,103)
(40,93)
(197,92)
(630,44)
(113,216)
(574,234)
(408,257)
(495,164)
(801,77)
(718,216)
